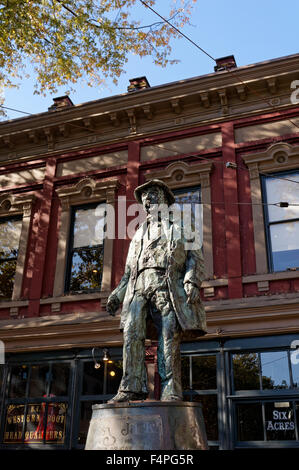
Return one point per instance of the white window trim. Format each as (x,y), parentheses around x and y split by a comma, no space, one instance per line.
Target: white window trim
(85,191)
(278,157)
(11,205)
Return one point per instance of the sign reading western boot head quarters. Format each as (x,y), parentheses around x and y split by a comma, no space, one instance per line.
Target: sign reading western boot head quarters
(125,432)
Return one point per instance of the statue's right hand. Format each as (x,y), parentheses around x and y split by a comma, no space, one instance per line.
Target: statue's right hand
(112,304)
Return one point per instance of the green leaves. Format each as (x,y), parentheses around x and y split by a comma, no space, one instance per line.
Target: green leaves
(68,40)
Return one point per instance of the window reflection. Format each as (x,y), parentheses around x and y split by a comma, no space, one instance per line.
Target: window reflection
(18,381)
(210,414)
(93,379)
(85,417)
(60,379)
(87,249)
(204,372)
(295,368)
(246,371)
(39,380)
(10,232)
(275,370)
(249,422)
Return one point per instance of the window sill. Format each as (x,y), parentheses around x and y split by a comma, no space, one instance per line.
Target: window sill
(277,276)
(57,301)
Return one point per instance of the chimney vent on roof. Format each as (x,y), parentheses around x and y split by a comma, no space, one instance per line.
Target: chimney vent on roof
(61,102)
(139,83)
(225,63)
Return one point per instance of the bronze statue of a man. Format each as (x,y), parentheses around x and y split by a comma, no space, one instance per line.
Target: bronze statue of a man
(161,281)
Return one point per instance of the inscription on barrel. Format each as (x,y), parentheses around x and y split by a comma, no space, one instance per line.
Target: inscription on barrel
(125,433)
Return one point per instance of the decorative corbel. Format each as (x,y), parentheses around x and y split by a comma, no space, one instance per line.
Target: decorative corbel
(88,123)
(176,106)
(132,119)
(33,137)
(63,130)
(148,111)
(7,141)
(272,85)
(223,101)
(114,119)
(50,138)
(242,92)
(205,99)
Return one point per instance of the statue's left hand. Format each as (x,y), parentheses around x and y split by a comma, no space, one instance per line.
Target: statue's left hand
(192,292)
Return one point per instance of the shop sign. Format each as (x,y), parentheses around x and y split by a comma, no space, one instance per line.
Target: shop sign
(37,427)
(282,419)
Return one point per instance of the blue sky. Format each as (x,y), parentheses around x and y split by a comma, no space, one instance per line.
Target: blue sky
(253,31)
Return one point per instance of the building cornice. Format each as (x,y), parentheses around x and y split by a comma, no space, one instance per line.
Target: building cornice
(205,99)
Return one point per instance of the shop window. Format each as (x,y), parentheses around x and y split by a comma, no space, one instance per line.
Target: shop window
(271,370)
(250,422)
(85,267)
(282,223)
(33,412)
(199,381)
(267,421)
(10,233)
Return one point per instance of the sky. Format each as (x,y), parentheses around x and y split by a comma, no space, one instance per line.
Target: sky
(253,32)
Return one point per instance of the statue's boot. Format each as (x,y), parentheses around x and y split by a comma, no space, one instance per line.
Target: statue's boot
(127,396)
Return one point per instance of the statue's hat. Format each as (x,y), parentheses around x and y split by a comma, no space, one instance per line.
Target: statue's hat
(155,182)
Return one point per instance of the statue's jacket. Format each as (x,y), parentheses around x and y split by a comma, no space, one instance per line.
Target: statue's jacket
(181,266)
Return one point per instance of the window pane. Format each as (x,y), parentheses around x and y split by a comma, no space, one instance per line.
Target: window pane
(295,367)
(204,372)
(249,422)
(14,424)
(275,370)
(1,379)
(34,427)
(246,371)
(86,269)
(60,379)
(56,423)
(285,245)
(282,190)
(114,375)
(39,379)
(189,200)
(18,381)
(93,379)
(89,226)
(280,424)
(7,274)
(185,364)
(10,232)
(85,417)
(210,414)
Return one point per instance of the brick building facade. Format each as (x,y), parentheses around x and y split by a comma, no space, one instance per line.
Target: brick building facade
(229,141)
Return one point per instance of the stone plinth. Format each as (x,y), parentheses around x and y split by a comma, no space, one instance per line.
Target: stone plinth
(147,425)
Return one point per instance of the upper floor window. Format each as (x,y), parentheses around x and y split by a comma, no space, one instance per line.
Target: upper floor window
(86,248)
(282,223)
(10,233)
(191,198)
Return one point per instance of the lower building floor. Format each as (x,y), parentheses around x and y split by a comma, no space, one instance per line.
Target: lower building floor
(248,387)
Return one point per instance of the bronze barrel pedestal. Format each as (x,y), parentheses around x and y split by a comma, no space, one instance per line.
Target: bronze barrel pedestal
(147,425)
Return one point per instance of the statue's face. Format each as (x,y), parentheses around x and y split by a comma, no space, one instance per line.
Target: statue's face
(152,195)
